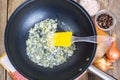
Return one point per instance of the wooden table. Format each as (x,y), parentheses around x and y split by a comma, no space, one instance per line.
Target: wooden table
(8,6)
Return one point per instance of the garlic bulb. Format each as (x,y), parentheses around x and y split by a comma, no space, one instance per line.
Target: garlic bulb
(91,6)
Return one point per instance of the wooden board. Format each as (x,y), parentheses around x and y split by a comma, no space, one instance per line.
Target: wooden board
(8,6)
(3,20)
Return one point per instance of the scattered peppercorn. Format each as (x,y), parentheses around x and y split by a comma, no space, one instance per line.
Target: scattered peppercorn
(105,21)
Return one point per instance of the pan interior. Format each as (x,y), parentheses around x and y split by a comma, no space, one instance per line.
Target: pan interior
(31,12)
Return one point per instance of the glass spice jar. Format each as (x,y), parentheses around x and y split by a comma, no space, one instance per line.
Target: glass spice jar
(105,20)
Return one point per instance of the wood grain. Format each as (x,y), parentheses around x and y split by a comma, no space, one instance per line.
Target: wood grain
(8,6)
(3,20)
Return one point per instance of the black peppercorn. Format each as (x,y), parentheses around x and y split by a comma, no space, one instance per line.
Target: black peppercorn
(105,21)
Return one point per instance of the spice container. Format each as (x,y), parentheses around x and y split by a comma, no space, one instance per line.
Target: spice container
(105,20)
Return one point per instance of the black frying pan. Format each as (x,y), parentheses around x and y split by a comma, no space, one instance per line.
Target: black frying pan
(33,11)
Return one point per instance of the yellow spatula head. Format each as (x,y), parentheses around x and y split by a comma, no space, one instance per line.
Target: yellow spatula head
(62,39)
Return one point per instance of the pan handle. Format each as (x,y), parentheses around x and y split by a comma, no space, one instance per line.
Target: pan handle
(100,73)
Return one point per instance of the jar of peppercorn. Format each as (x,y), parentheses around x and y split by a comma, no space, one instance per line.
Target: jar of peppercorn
(105,20)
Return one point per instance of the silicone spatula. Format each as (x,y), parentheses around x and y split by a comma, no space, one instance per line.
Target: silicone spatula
(67,38)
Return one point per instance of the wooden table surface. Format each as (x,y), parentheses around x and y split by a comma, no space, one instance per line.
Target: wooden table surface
(8,6)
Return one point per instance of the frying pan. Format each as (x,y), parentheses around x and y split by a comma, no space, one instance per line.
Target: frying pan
(34,11)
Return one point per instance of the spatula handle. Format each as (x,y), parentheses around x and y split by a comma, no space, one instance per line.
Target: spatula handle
(93,39)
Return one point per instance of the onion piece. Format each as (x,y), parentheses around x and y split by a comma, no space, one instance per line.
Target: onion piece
(113,52)
(103,64)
